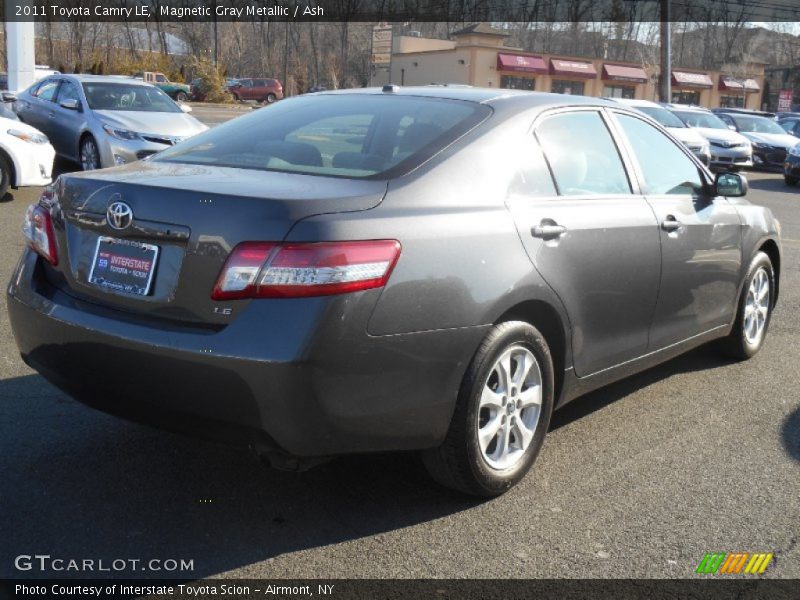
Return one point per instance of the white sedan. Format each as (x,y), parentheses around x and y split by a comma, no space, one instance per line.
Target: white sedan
(26,156)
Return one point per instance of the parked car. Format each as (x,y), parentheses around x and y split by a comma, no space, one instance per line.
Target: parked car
(690,137)
(260,90)
(7,100)
(787,115)
(770,142)
(729,150)
(100,121)
(175,90)
(430,269)
(791,166)
(744,111)
(26,156)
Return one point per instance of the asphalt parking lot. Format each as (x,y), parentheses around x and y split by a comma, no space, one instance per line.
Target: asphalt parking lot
(639,479)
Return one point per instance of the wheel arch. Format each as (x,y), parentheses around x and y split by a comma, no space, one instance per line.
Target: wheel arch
(771,249)
(9,157)
(548,321)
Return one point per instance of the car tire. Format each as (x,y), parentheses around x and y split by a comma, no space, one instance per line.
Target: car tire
(474,460)
(790,180)
(270,98)
(236,97)
(5,176)
(753,312)
(89,154)
(181,97)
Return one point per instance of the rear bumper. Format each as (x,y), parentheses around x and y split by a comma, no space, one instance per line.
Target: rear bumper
(302,376)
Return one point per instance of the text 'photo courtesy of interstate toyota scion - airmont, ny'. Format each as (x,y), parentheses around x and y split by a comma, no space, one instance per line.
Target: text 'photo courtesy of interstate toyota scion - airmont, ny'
(391,268)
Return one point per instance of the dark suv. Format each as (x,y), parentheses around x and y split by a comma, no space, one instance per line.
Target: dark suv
(260,90)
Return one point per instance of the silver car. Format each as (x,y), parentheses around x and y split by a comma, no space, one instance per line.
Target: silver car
(101,121)
(729,150)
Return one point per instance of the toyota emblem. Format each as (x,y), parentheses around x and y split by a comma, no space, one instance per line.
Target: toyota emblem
(119,215)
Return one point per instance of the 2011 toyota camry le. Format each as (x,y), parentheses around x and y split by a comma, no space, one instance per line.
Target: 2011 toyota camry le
(432,269)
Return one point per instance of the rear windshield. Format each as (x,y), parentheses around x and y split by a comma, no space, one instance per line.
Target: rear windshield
(353,135)
(662,115)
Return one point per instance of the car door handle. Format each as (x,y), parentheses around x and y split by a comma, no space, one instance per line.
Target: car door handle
(548,231)
(671,224)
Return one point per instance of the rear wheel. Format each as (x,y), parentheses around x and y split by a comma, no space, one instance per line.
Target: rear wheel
(790,180)
(501,416)
(270,98)
(754,310)
(89,154)
(5,176)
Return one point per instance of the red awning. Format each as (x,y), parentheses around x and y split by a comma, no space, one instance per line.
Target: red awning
(623,73)
(521,63)
(572,68)
(698,80)
(730,83)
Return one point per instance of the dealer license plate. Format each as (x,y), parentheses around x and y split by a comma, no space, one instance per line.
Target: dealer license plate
(123,266)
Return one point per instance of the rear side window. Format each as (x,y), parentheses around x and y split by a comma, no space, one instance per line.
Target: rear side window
(47,91)
(348,135)
(582,154)
(68,91)
(665,167)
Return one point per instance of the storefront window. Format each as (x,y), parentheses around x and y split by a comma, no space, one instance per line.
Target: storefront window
(510,82)
(562,86)
(686,97)
(731,102)
(619,91)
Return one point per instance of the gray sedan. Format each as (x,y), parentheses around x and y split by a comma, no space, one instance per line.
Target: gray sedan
(432,269)
(104,121)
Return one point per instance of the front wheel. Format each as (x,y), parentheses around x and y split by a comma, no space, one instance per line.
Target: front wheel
(790,180)
(181,97)
(90,155)
(501,416)
(754,310)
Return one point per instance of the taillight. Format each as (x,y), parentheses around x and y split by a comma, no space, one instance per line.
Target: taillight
(38,228)
(265,270)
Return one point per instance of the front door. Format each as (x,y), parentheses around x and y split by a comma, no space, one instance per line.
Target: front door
(700,237)
(591,237)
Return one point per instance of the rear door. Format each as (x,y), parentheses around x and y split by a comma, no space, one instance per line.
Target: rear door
(591,236)
(37,110)
(700,237)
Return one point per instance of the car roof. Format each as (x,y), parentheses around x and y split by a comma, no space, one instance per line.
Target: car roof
(636,102)
(687,107)
(480,95)
(103,78)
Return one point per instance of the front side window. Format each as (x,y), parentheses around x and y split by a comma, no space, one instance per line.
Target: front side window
(351,135)
(161,78)
(582,154)
(122,96)
(665,167)
(68,91)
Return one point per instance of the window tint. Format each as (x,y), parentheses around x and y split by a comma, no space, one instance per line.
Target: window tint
(161,78)
(582,154)
(246,82)
(68,91)
(665,167)
(532,177)
(47,90)
(121,96)
(352,135)
(259,82)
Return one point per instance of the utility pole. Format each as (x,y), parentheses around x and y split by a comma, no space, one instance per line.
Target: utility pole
(666,52)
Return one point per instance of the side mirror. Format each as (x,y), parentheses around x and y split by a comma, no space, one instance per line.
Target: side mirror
(185,108)
(732,127)
(733,185)
(71,104)
(9,97)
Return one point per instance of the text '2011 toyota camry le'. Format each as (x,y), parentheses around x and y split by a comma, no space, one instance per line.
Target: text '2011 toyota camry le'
(430,269)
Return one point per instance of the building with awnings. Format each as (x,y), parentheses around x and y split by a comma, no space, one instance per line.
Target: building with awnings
(477,55)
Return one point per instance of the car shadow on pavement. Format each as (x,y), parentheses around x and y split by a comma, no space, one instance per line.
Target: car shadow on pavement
(773,184)
(80,484)
(791,434)
(699,359)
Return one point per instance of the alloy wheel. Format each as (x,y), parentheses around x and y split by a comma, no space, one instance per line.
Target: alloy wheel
(509,408)
(756,308)
(90,158)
